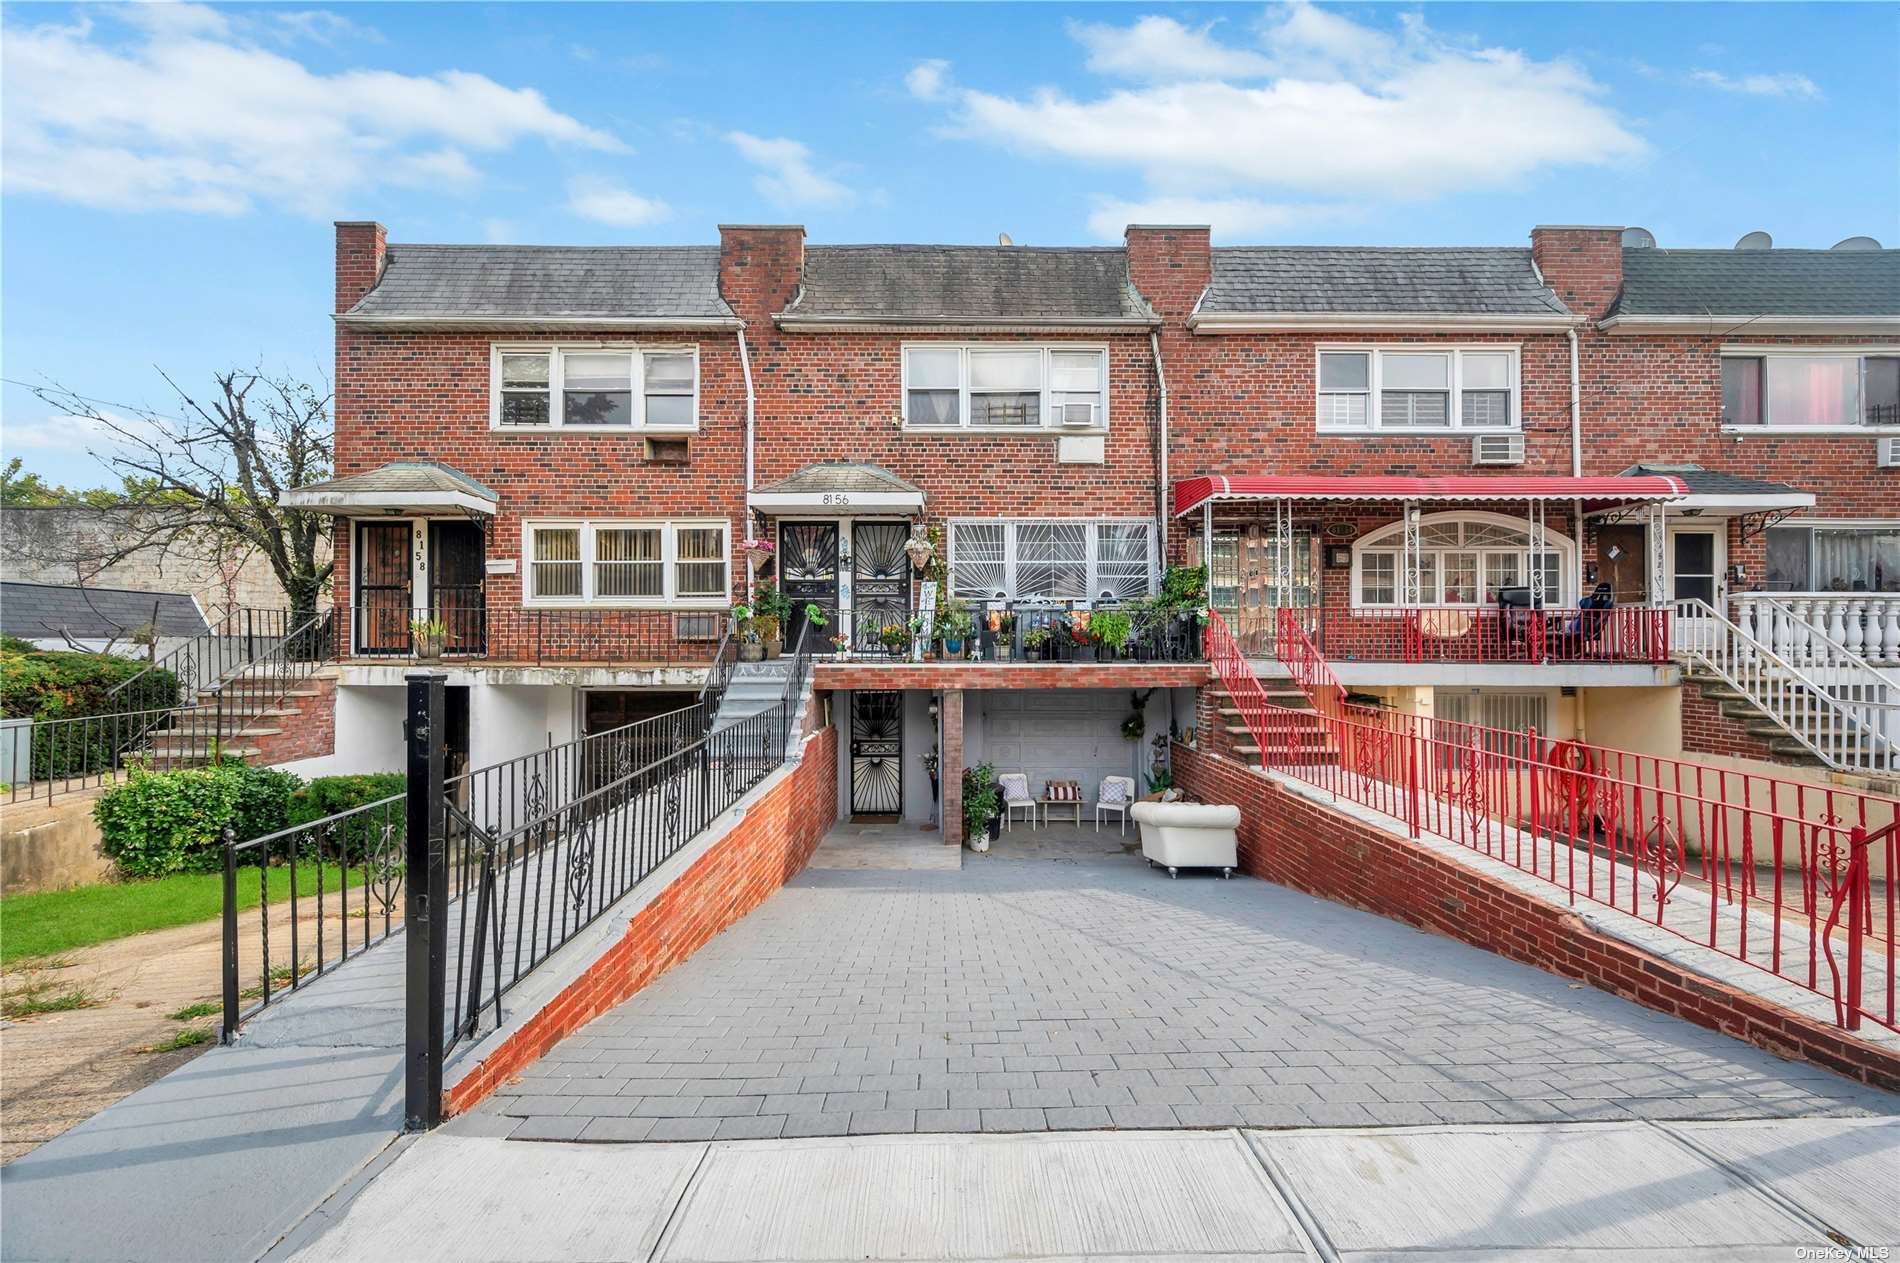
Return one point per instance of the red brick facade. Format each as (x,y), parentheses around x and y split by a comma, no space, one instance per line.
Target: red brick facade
(763,851)
(1291,840)
(1706,730)
(307,732)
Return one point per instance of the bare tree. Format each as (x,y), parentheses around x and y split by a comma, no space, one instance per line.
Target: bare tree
(216,471)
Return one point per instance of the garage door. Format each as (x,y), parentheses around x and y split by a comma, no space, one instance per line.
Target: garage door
(1059,734)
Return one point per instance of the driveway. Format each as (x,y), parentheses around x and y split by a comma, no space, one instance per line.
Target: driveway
(1088,991)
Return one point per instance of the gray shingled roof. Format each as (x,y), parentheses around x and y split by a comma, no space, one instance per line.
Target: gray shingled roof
(40,611)
(402,476)
(1017,285)
(839,476)
(547,282)
(1660,282)
(1707,482)
(1402,280)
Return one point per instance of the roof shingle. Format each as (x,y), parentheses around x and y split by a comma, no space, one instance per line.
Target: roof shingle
(968,284)
(1660,282)
(1400,280)
(39,611)
(548,282)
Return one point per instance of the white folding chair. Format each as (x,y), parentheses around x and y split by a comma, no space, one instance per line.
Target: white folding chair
(1014,787)
(1116,794)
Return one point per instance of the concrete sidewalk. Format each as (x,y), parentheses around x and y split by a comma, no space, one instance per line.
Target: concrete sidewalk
(1608,1191)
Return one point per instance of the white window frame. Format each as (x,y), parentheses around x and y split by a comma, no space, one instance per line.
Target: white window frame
(1371,542)
(1093,588)
(669,529)
(1375,383)
(1784,351)
(1050,423)
(557,351)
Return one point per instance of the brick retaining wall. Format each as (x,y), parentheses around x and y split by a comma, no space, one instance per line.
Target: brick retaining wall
(1291,840)
(763,851)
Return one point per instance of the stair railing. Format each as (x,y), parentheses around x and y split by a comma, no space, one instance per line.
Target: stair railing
(1859,733)
(199,730)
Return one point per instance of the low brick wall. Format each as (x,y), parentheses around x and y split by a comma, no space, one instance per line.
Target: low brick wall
(310,732)
(1291,840)
(763,851)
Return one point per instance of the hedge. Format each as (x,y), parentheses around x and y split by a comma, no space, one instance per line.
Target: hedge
(173,822)
(57,684)
(328,795)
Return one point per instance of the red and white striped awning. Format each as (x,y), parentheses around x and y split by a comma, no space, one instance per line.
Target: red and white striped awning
(1596,493)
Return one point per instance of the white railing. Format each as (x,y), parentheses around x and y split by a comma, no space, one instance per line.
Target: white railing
(1842,708)
(1866,624)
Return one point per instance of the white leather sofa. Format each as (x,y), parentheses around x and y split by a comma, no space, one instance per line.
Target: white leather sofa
(1189,835)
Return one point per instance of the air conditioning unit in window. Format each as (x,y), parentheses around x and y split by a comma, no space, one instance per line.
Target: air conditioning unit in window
(1887,453)
(1079,415)
(1497,449)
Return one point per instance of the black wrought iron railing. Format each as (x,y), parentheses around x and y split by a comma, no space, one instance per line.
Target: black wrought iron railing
(1037,631)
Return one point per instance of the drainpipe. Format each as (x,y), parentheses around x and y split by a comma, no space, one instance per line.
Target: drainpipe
(1161,380)
(1576,446)
(751,402)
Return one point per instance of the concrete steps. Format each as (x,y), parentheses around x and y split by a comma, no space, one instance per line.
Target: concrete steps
(1779,737)
(1298,741)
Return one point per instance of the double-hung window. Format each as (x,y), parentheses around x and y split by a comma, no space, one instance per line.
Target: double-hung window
(1062,559)
(1363,390)
(1810,388)
(610,562)
(1002,387)
(594,388)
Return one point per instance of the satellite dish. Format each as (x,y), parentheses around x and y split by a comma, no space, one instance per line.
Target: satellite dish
(1002,239)
(1756,241)
(1857,243)
(1638,239)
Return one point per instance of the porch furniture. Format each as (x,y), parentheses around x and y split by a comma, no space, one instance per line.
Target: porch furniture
(1116,795)
(1063,796)
(1189,835)
(1578,636)
(1014,787)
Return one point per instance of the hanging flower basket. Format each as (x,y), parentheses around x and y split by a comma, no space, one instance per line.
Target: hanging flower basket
(920,550)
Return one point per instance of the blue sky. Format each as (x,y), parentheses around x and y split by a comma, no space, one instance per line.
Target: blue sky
(170,173)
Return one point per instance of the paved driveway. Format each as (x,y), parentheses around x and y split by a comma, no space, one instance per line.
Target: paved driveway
(1022,995)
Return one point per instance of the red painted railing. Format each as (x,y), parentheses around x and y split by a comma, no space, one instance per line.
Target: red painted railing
(1627,634)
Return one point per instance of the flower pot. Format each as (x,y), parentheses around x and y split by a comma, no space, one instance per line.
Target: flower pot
(981,842)
(1085,653)
(953,648)
(428,647)
(996,827)
(752,653)
(773,648)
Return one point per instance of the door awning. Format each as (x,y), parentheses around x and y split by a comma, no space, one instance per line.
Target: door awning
(841,488)
(1720,494)
(1596,493)
(412,486)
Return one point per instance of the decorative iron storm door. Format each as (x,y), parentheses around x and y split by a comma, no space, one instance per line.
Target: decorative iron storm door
(880,578)
(456,583)
(877,754)
(808,574)
(382,587)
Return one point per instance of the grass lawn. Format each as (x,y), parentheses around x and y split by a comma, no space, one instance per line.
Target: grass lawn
(52,922)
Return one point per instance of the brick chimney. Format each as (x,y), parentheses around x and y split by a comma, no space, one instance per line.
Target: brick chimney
(1170,264)
(759,267)
(361,245)
(1584,265)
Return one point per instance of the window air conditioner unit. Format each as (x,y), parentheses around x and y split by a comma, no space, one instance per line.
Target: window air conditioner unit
(1079,415)
(1887,453)
(1497,449)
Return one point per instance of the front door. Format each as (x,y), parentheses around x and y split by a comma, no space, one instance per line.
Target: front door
(808,574)
(1695,575)
(877,755)
(880,579)
(382,587)
(1627,571)
(1244,584)
(456,579)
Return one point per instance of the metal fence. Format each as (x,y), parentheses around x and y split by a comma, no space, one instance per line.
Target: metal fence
(1037,631)
(1626,634)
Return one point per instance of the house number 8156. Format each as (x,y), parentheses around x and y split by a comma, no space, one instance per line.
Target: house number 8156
(837,498)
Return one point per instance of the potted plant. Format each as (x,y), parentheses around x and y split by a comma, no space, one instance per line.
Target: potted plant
(840,641)
(1002,635)
(766,628)
(1111,629)
(771,610)
(921,547)
(430,636)
(895,637)
(1036,641)
(954,626)
(982,806)
(1075,632)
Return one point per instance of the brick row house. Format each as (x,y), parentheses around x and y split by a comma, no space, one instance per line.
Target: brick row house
(562,454)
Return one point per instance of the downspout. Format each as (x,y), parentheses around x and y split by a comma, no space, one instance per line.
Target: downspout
(1161,381)
(1576,447)
(751,402)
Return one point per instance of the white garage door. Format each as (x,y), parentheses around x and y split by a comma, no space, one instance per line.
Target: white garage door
(1059,734)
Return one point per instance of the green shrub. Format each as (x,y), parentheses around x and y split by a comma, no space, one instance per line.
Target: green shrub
(328,795)
(171,822)
(62,685)
(13,644)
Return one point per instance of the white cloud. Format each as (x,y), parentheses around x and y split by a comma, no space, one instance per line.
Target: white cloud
(607,203)
(786,176)
(1228,216)
(1781,85)
(929,80)
(183,112)
(320,26)
(1321,107)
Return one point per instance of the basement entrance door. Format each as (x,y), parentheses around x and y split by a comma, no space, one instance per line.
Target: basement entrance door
(808,574)
(877,755)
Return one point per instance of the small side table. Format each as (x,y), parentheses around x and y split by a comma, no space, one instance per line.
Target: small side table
(1072,805)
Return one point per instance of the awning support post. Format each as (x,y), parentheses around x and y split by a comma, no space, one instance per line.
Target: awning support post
(1408,562)
(1536,518)
(1207,542)
(1658,557)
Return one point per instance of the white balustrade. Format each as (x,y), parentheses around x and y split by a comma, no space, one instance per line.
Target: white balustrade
(1808,628)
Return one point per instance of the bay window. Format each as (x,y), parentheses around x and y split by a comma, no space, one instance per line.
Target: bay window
(1810,389)
(1003,387)
(594,388)
(1417,388)
(625,562)
(1067,559)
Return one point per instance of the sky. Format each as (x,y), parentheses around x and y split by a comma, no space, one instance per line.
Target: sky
(169,173)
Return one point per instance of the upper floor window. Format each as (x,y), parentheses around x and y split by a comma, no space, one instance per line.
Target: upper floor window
(1808,388)
(1365,389)
(596,388)
(625,562)
(1067,559)
(1005,387)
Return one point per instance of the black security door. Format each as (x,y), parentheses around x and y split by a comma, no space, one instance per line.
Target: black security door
(808,574)
(456,581)
(880,578)
(382,588)
(877,754)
